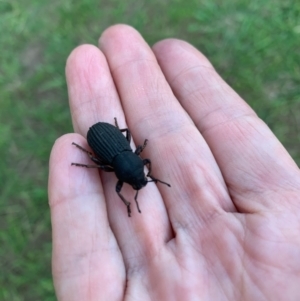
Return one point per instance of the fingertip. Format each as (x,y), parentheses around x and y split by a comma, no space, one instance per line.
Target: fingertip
(66,181)
(81,56)
(123,44)
(115,32)
(167,44)
(90,87)
(62,148)
(175,50)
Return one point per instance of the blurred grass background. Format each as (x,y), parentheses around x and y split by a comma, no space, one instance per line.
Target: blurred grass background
(253,44)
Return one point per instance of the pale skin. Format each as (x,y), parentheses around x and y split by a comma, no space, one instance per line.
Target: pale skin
(227,229)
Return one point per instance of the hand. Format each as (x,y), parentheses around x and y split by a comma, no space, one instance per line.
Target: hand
(227,229)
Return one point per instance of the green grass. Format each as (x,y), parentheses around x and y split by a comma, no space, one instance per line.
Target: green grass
(254,45)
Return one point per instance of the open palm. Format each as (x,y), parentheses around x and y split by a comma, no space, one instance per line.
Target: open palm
(227,229)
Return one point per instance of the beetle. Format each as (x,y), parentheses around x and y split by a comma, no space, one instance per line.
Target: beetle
(114,154)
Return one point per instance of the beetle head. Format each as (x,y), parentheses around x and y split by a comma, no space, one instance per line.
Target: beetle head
(139,184)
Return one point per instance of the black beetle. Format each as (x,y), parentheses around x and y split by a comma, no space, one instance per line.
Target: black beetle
(113,153)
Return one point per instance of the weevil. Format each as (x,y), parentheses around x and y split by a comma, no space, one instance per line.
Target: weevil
(114,154)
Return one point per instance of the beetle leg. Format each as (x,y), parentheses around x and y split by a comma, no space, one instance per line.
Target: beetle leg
(128,134)
(127,204)
(137,204)
(116,123)
(148,162)
(94,159)
(102,167)
(140,148)
(85,165)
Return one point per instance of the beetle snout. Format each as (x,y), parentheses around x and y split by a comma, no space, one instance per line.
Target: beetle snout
(139,185)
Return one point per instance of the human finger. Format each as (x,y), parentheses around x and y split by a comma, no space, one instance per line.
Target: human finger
(93,98)
(252,160)
(85,252)
(176,147)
